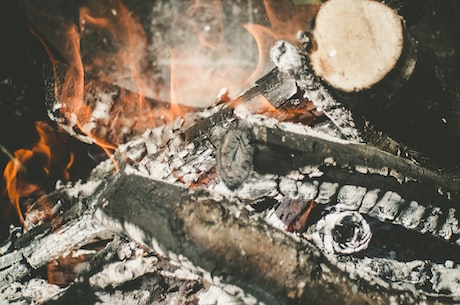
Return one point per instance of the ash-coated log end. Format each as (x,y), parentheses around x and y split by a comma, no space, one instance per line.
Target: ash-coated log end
(356,43)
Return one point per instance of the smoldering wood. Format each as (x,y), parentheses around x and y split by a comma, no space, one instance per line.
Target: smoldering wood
(193,212)
(141,276)
(45,246)
(62,83)
(273,266)
(279,151)
(198,223)
(310,150)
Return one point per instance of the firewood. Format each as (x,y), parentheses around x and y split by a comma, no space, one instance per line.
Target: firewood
(208,229)
(373,65)
(356,43)
(221,237)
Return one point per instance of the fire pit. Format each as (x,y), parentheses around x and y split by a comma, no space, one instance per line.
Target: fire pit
(218,176)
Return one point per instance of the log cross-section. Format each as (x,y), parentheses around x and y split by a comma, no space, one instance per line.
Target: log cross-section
(357,42)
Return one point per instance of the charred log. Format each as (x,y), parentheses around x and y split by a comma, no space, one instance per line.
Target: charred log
(345,203)
(269,264)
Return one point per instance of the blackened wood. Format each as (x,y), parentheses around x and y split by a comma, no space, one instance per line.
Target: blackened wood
(308,149)
(221,237)
(17,264)
(423,114)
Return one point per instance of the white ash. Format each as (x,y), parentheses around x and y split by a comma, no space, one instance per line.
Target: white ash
(81,189)
(293,61)
(134,150)
(411,216)
(305,191)
(266,122)
(272,219)
(326,191)
(387,207)
(288,58)
(75,234)
(258,186)
(369,200)
(295,175)
(350,197)
(129,250)
(118,273)
(399,176)
(384,171)
(446,279)
(135,297)
(450,227)
(168,156)
(180,273)
(311,171)
(358,233)
(32,292)
(235,293)
(102,109)
(122,271)
(288,187)
(216,296)
(431,222)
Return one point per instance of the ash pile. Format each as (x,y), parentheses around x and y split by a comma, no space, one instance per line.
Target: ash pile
(295,192)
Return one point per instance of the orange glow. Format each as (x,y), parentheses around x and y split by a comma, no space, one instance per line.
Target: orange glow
(284,19)
(111,106)
(303,112)
(264,38)
(104,113)
(22,177)
(102,91)
(301,219)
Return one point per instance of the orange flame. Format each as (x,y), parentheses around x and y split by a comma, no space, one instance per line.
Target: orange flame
(22,181)
(202,63)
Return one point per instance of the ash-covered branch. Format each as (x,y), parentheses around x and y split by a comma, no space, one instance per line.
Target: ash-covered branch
(222,238)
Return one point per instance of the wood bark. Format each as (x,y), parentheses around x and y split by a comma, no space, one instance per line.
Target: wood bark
(229,242)
(222,238)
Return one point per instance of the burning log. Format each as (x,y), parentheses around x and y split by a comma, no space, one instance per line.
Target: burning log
(172,199)
(95,111)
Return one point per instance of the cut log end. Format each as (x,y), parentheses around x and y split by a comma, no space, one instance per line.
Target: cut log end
(357,43)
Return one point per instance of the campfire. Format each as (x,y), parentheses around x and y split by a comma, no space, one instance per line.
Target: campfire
(228,152)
